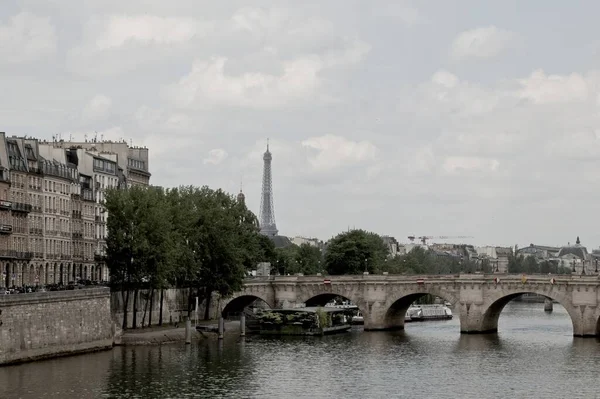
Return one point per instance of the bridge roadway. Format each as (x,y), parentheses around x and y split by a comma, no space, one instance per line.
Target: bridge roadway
(384,299)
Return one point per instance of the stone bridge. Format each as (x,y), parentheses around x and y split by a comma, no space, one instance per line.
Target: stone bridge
(384,299)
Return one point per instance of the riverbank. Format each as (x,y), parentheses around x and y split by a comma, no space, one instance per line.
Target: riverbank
(172,334)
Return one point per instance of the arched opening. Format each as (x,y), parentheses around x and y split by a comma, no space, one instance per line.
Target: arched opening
(62,274)
(247,304)
(419,306)
(527,314)
(47,274)
(32,279)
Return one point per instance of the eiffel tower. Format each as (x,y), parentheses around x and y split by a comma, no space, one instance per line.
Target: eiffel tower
(267,210)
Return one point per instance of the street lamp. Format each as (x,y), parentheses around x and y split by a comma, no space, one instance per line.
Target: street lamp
(366,270)
(596,265)
(573,265)
(582,266)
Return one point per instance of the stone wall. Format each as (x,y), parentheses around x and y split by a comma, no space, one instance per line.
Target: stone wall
(175,306)
(49,324)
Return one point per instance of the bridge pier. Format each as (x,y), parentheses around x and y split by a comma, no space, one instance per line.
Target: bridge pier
(548,305)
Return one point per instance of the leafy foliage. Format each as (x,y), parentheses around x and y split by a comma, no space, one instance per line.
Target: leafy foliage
(187,236)
(355,251)
(305,259)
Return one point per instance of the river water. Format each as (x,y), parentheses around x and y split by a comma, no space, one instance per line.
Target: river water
(534,355)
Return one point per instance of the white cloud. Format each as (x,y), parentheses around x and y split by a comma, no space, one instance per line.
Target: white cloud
(26,37)
(98,108)
(336,151)
(454,164)
(484,42)
(120,30)
(208,84)
(445,79)
(545,89)
(215,156)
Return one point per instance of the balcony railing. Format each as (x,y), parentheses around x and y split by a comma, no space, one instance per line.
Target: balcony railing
(21,207)
(9,253)
(5,204)
(35,230)
(6,229)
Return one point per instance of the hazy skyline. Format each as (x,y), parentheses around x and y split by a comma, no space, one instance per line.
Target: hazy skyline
(404,118)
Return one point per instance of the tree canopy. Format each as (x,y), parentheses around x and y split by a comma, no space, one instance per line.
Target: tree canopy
(354,252)
(186,236)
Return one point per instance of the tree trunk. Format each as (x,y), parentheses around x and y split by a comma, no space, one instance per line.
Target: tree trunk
(135,309)
(208,295)
(145,309)
(160,317)
(125,306)
(151,307)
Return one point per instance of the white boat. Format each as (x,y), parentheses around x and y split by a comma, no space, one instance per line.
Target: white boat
(358,319)
(428,312)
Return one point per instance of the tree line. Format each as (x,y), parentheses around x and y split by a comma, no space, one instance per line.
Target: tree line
(193,237)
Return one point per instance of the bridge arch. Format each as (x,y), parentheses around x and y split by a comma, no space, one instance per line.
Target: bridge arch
(395,308)
(495,303)
(237,305)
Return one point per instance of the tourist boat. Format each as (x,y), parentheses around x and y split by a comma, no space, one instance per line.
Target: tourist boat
(428,312)
(300,321)
(358,319)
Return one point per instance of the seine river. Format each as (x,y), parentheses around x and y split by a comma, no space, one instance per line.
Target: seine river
(533,356)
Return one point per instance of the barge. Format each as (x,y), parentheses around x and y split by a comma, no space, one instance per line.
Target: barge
(301,321)
(428,312)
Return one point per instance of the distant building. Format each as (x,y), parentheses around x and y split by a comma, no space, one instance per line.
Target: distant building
(392,245)
(313,242)
(497,256)
(576,257)
(540,252)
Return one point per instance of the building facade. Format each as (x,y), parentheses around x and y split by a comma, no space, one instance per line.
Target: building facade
(52,222)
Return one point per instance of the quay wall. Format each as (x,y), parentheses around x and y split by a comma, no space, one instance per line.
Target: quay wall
(56,323)
(175,307)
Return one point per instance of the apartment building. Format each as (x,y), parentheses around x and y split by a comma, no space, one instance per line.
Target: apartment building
(52,222)
(133,162)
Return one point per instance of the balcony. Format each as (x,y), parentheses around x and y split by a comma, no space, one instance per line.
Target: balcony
(6,229)
(77,236)
(21,207)
(76,215)
(9,253)
(6,205)
(23,255)
(35,231)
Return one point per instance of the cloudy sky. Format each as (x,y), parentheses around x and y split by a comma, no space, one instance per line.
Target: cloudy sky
(455,118)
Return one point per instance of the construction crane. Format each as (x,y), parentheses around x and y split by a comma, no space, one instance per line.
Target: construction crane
(424,239)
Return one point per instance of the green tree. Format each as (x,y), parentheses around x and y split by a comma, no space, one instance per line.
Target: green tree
(309,259)
(138,243)
(222,242)
(355,251)
(285,260)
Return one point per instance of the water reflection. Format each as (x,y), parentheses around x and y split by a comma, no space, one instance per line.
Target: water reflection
(532,355)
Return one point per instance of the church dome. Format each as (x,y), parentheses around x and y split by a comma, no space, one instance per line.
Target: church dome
(241,198)
(577,250)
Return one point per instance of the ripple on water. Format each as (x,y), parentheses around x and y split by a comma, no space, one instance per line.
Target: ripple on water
(533,355)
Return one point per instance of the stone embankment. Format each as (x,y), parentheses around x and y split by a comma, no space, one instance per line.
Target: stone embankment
(50,324)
